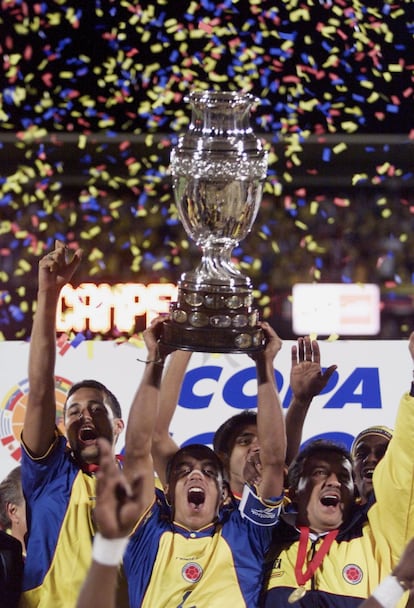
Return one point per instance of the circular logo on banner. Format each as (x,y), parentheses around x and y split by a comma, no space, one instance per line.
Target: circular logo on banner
(352,574)
(192,572)
(12,410)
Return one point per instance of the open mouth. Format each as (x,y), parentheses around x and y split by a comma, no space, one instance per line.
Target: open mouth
(196,497)
(87,434)
(330,500)
(368,473)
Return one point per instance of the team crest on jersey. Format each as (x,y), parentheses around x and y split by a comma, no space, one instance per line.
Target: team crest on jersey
(192,572)
(352,574)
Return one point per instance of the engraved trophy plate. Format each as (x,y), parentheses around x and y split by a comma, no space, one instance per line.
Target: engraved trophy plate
(218,169)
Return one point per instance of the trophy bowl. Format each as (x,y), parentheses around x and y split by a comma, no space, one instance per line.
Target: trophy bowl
(218,168)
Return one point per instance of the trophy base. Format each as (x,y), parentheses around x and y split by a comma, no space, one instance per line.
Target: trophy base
(213,319)
(212,341)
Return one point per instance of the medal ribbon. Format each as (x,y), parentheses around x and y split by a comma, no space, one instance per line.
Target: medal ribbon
(303,577)
(94,468)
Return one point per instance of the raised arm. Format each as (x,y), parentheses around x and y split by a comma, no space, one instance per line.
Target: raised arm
(306,381)
(393,476)
(117,510)
(163,445)
(55,270)
(270,420)
(138,462)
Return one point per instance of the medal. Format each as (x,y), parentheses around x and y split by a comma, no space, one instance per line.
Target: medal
(303,576)
(297,594)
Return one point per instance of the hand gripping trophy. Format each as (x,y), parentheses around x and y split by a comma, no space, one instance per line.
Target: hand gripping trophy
(218,169)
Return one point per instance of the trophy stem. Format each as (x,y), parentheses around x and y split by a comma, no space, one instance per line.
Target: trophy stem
(216,266)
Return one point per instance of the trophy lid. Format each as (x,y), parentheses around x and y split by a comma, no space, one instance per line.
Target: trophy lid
(230,99)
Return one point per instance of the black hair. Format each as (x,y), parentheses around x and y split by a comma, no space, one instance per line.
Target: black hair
(112,400)
(311,448)
(226,434)
(198,451)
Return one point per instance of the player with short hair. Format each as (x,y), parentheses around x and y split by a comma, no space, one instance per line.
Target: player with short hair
(58,472)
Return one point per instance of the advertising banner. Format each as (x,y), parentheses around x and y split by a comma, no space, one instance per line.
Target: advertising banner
(365,390)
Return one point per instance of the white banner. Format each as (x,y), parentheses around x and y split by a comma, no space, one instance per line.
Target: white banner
(365,389)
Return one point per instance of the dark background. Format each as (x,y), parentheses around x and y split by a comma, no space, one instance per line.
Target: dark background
(92,99)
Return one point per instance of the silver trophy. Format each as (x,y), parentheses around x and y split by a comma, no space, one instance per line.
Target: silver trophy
(218,169)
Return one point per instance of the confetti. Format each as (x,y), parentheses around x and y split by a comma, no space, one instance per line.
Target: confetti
(93,97)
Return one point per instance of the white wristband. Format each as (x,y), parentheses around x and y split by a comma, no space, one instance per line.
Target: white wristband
(388,592)
(108,551)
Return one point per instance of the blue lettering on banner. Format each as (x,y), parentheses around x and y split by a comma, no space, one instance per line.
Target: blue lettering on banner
(345,439)
(204,438)
(362,386)
(188,398)
(338,437)
(233,394)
